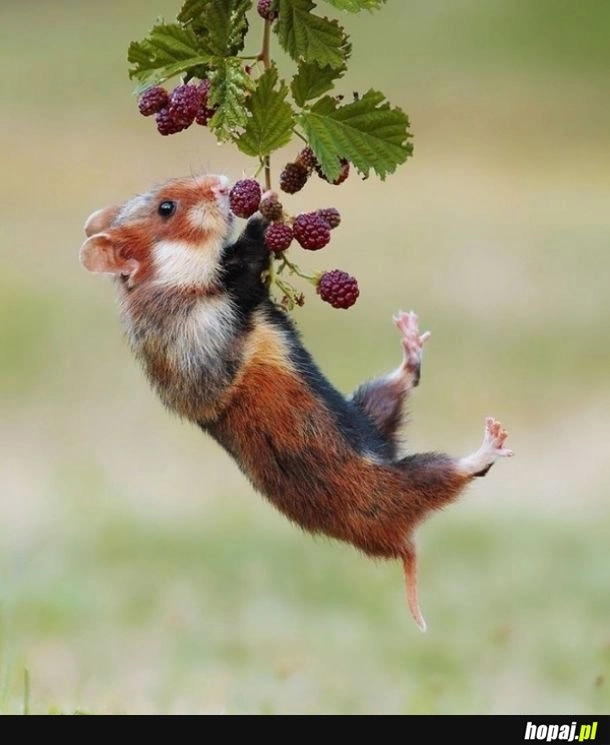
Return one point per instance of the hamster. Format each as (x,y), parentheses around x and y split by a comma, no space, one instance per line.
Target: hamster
(219,352)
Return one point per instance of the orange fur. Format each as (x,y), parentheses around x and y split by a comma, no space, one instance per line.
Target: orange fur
(292,449)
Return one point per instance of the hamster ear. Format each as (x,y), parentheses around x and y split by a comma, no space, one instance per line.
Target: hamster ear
(100,254)
(101,219)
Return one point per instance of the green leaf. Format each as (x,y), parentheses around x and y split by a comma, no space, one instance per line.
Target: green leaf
(229,87)
(168,50)
(311,38)
(220,25)
(271,117)
(355,6)
(367,132)
(311,81)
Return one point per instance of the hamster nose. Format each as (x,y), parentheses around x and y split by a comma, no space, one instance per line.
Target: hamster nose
(222,185)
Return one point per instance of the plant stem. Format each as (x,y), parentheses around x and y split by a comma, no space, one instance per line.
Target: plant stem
(265,56)
(295,269)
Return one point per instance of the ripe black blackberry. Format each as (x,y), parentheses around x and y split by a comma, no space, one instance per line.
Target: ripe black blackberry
(270,207)
(278,237)
(184,104)
(331,216)
(244,197)
(293,178)
(311,231)
(266,9)
(338,288)
(166,125)
(344,173)
(153,100)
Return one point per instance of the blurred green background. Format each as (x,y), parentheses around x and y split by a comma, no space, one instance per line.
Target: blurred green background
(139,572)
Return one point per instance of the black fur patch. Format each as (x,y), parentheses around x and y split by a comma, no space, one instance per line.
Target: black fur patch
(243,263)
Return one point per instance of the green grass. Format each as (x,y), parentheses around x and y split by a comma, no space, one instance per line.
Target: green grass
(238,612)
(138,572)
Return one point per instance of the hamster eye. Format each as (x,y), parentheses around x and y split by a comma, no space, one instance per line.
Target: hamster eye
(166,208)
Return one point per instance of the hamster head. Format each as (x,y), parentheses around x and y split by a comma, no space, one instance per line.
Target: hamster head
(173,235)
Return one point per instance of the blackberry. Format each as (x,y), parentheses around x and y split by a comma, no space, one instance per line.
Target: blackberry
(338,288)
(153,100)
(271,207)
(307,159)
(184,104)
(245,197)
(342,175)
(266,10)
(203,115)
(331,216)
(166,125)
(311,231)
(278,236)
(293,178)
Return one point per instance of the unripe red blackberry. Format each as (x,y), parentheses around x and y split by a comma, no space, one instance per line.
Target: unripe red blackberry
(342,175)
(153,100)
(245,197)
(307,159)
(311,231)
(278,236)
(266,10)
(338,288)
(293,178)
(184,104)
(166,124)
(331,216)
(270,207)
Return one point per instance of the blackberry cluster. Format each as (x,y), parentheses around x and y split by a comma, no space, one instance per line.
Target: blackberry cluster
(176,111)
(311,230)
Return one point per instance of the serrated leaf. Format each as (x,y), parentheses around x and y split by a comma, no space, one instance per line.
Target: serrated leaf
(368,132)
(220,25)
(311,38)
(191,11)
(168,50)
(229,87)
(355,6)
(271,118)
(311,81)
